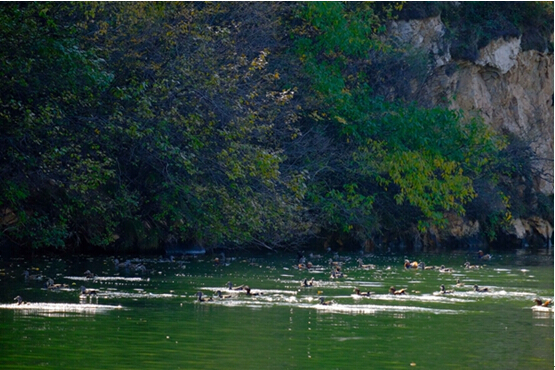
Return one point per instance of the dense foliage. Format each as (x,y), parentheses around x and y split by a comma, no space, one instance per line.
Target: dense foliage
(134,125)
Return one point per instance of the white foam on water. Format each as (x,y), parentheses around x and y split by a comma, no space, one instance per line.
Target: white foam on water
(373,309)
(143,294)
(310,302)
(260,291)
(38,307)
(443,298)
(107,278)
(542,309)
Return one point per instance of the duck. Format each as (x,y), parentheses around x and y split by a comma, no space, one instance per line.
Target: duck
(467,265)
(365,267)
(443,291)
(364,294)
(300,257)
(221,296)
(422,266)
(20,300)
(445,269)
(394,291)
(324,302)
(459,284)
(314,256)
(480,290)
(88,292)
(141,268)
(231,287)
(203,299)
(336,274)
(539,302)
(248,291)
(336,264)
(484,257)
(50,285)
(307,283)
(89,275)
(122,265)
(32,277)
(410,265)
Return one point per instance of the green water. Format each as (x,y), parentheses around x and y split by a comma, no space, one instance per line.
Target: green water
(153,321)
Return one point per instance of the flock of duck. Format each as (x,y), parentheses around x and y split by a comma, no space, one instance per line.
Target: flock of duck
(337,273)
(230,291)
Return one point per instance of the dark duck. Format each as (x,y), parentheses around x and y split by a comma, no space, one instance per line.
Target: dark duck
(248,291)
(203,299)
(87,292)
(307,283)
(443,291)
(20,300)
(364,294)
(394,291)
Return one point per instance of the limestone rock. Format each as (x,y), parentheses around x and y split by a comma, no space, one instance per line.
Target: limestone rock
(500,54)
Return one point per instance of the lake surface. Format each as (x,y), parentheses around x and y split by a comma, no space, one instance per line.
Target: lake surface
(153,320)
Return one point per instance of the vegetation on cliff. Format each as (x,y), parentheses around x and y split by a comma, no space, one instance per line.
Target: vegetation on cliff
(133,125)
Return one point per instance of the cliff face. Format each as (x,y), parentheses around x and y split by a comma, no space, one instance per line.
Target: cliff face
(511,89)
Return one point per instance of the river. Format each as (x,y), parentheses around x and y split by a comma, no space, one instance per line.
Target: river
(153,320)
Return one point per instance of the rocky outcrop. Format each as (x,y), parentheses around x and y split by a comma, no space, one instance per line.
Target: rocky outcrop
(511,89)
(500,54)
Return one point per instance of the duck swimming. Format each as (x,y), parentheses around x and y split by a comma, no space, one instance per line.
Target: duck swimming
(50,285)
(480,290)
(89,275)
(324,302)
(422,266)
(482,256)
(443,291)
(410,265)
(539,302)
(203,299)
(365,267)
(221,296)
(32,277)
(336,274)
(467,265)
(248,291)
(364,294)
(445,269)
(88,292)
(20,300)
(394,291)
(307,283)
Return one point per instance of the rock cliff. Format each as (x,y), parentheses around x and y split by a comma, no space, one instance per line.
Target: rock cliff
(511,89)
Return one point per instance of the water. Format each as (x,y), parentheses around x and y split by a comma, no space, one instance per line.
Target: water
(152,320)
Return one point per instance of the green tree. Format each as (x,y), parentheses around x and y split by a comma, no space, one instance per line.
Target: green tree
(425,159)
